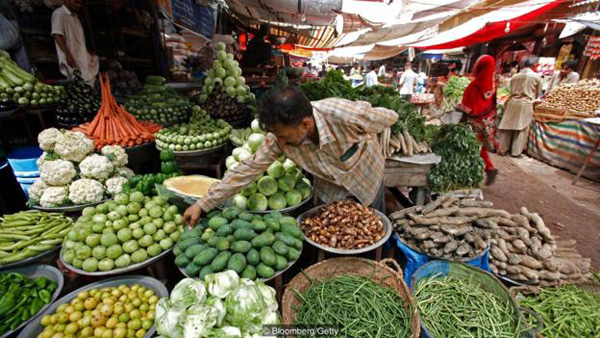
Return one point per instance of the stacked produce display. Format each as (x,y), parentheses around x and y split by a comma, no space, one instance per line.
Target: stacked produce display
(158,103)
(283,185)
(581,98)
(114,311)
(23,88)
(146,183)
(125,82)
(113,125)
(71,173)
(200,133)
(22,298)
(521,246)
(117,234)
(225,94)
(31,233)
(224,305)
(80,104)
(251,245)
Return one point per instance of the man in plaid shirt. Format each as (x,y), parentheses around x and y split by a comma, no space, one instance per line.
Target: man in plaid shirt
(333,139)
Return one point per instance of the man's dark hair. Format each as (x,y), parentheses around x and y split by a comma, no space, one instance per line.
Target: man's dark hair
(531,61)
(284,106)
(571,64)
(264,30)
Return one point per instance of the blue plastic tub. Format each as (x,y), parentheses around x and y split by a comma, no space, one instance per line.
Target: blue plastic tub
(25,188)
(487,282)
(26,180)
(416,259)
(23,160)
(27,174)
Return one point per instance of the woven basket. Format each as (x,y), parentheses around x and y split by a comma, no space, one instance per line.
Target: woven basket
(381,273)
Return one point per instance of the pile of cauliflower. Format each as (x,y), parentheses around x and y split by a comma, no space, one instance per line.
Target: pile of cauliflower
(71,173)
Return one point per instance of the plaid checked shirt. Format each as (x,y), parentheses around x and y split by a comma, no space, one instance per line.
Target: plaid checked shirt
(347,161)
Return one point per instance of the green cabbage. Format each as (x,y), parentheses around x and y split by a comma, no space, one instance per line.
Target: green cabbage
(286,183)
(268,186)
(293,197)
(276,170)
(255,141)
(221,284)
(250,189)
(198,321)
(218,309)
(188,292)
(168,320)
(240,201)
(277,201)
(257,202)
(244,306)
(225,332)
(255,126)
(288,165)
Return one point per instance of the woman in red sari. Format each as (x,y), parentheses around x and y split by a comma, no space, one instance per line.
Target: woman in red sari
(479,106)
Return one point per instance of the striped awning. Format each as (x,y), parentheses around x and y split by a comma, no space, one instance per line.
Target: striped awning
(323,37)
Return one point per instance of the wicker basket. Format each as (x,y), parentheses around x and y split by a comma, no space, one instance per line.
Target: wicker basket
(380,272)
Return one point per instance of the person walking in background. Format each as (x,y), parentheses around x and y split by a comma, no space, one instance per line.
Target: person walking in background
(408,80)
(371,78)
(479,105)
(381,73)
(70,43)
(355,70)
(525,88)
(323,71)
(567,75)
(258,52)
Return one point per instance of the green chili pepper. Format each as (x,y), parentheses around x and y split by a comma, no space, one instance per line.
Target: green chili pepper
(45,296)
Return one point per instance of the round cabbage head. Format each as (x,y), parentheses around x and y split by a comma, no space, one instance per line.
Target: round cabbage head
(114,185)
(36,190)
(267,185)
(73,146)
(55,197)
(97,167)
(116,154)
(257,202)
(48,137)
(85,191)
(58,172)
(287,182)
(277,201)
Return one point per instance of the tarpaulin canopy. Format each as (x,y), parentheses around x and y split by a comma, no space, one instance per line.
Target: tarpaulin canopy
(489,26)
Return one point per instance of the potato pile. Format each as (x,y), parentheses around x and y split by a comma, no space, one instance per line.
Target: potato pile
(521,246)
(524,250)
(448,228)
(344,225)
(582,98)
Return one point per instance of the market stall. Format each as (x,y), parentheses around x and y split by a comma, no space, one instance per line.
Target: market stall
(564,133)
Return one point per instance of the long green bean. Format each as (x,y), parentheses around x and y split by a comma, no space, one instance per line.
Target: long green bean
(455,308)
(567,311)
(28,233)
(358,306)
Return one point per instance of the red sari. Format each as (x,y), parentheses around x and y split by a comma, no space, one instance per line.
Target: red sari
(479,103)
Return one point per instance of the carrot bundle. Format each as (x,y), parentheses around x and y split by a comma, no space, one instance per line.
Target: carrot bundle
(114,125)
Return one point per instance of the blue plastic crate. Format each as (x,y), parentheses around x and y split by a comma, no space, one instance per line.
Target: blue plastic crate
(23,160)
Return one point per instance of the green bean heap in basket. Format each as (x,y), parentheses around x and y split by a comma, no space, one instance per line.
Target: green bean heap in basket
(455,308)
(358,307)
(29,233)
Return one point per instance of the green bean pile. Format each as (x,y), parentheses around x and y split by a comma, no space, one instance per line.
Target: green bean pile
(358,306)
(566,311)
(450,307)
(29,233)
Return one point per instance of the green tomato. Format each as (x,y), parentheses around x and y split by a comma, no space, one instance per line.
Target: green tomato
(90,264)
(119,224)
(109,239)
(114,251)
(177,218)
(174,236)
(156,212)
(93,240)
(134,225)
(111,205)
(122,262)
(122,210)
(145,220)
(139,256)
(166,243)
(159,200)
(143,212)
(122,199)
(106,264)
(83,252)
(102,208)
(154,250)
(136,196)
(158,222)
(134,207)
(124,235)
(169,227)
(68,256)
(167,216)
(145,241)
(150,228)
(113,215)
(99,218)
(88,211)
(99,252)
(130,246)
(133,218)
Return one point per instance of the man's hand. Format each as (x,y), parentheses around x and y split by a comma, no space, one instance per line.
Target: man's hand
(71,61)
(191,215)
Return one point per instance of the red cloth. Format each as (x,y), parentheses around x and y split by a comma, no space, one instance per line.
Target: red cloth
(479,102)
(495,30)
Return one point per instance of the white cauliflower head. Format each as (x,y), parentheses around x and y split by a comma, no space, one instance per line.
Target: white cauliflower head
(48,138)
(46,156)
(58,172)
(36,190)
(114,185)
(73,146)
(85,190)
(125,172)
(54,197)
(116,154)
(97,167)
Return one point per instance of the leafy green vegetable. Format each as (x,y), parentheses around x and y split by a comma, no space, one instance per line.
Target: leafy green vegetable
(461,166)
(455,87)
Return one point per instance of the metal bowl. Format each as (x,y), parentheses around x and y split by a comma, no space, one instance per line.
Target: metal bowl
(35,271)
(229,203)
(35,328)
(70,208)
(30,260)
(387,228)
(195,153)
(130,268)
